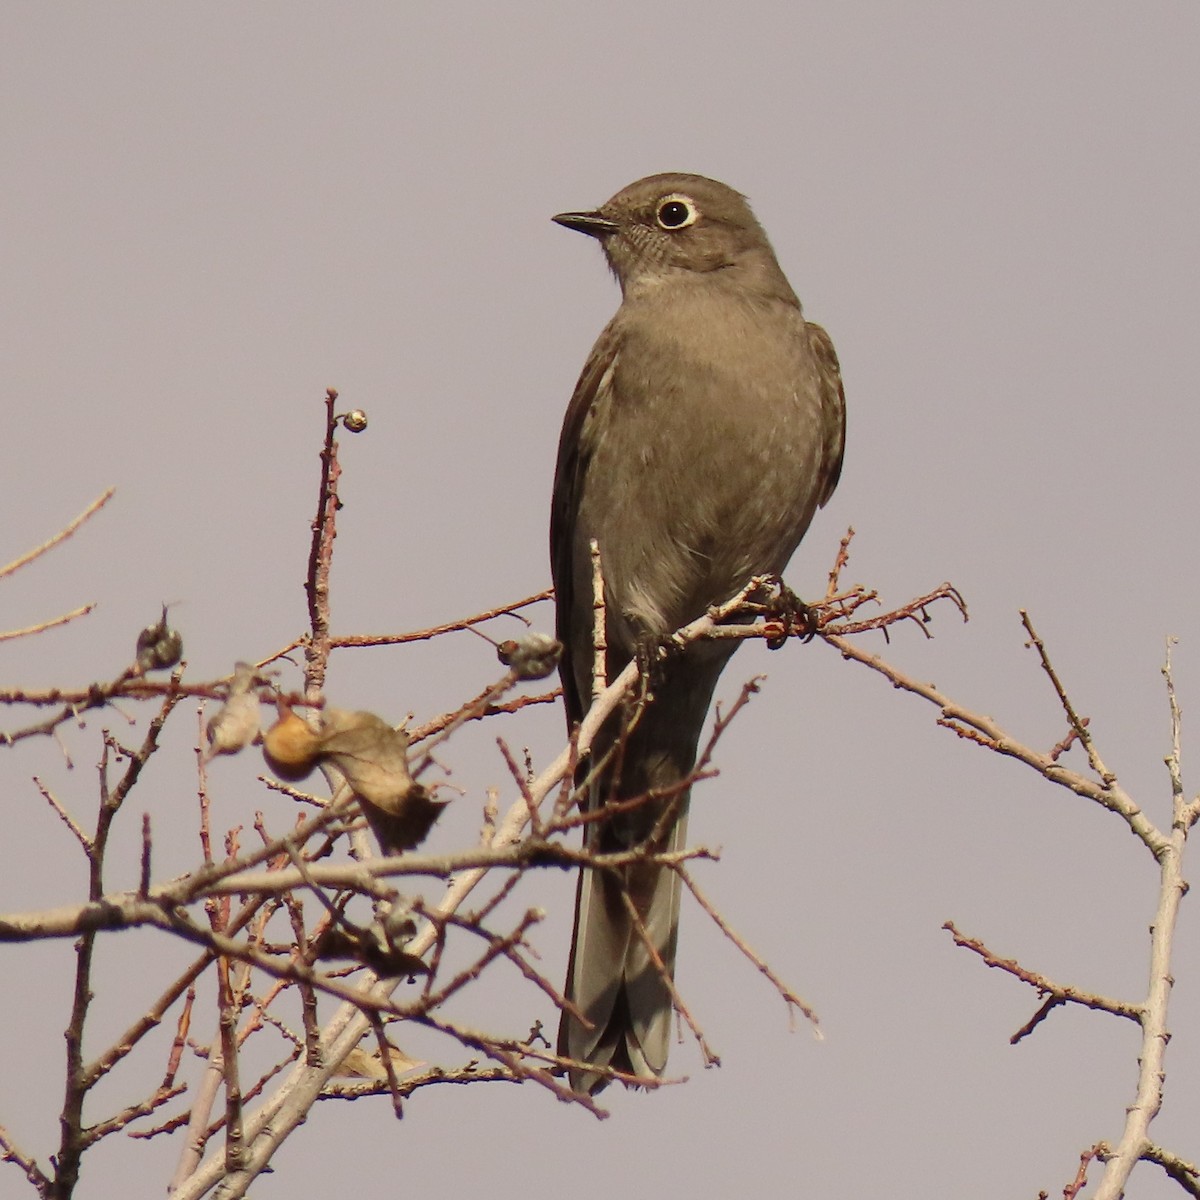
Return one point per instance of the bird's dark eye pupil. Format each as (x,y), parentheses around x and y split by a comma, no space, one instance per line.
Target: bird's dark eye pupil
(673,214)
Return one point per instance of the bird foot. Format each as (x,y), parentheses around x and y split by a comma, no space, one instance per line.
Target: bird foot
(795,618)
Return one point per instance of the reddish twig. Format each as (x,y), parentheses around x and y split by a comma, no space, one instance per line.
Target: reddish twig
(1072,1190)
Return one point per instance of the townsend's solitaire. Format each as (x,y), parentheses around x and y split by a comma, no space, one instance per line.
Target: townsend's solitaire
(706,429)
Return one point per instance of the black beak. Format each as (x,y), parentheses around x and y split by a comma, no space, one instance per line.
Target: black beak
(591,223)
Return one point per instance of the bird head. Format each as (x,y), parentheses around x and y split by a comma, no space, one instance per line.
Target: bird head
(665,225)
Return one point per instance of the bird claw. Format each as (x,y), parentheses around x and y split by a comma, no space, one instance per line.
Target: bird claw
(652,654)
(795,618)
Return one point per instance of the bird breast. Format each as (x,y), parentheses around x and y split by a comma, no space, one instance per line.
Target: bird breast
(705,446)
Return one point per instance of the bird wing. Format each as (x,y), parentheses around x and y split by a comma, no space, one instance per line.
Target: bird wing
(574,453)
(833,408)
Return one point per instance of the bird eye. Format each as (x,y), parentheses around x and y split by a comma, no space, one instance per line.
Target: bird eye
(676,212)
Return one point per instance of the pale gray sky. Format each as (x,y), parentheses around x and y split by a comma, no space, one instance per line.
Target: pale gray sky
(213,212)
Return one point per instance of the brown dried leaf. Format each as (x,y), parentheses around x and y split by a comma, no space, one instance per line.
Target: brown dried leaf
(358,1064)
(370,753)
(374,759)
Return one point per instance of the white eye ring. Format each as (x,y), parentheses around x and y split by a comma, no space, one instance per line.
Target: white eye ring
(676,212)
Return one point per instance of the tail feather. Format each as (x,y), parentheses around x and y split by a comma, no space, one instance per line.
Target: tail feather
(613,978)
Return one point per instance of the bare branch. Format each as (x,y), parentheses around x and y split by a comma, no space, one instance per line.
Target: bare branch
(1186,1174)
(1110,796)
(1046,987)
(711,1058)
(66,818)
(50,623)
(790,998)
(64,533)
(1078,727)
(11,1152)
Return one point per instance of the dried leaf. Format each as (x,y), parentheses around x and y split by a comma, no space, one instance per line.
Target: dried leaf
(380,946)
(358,1064)
(374,759)
(370,753)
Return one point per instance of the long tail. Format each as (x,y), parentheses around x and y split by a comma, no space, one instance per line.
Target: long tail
(613,978)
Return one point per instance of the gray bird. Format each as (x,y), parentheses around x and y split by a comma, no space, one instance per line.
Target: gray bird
(705,430)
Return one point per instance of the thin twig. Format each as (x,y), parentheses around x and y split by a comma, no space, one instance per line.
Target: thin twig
(1112,797)
(599,623)
(66,818)
(1079,726)
(1047,987)
(1072,1190)
(839,564)
(366,640)
(711,1058)
(49,623)
(64,533)
(790,998)
(11,1152)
